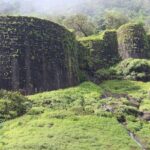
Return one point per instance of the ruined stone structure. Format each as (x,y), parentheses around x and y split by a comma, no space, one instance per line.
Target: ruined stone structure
(98,52)
(133,41)
(106,49)
(36,55)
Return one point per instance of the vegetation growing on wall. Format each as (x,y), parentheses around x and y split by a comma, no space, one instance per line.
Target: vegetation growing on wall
(99,51)
(44,52)
(132,41)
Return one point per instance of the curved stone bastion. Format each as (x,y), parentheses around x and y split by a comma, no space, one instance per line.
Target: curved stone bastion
(36,55)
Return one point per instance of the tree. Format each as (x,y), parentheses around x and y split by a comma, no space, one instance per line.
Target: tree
(101,25)
(57,19)
(81,25)
(147,24)
(114,19)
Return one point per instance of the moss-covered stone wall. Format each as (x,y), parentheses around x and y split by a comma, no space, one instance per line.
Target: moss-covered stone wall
(133,41)
(98,51)
(36,55)
(148,51)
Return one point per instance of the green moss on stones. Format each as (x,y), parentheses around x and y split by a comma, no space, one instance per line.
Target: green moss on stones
(99,51)
(132,41)
(37,55)
(148,37)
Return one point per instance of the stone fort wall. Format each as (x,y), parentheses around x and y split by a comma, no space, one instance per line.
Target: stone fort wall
(133,41)
(36,55)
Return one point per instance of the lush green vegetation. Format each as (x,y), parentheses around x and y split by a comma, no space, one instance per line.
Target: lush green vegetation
(134,69)
(96,37)
(82,117)
(90,16)
(88,116)
(60,130)
(12,105)
(92,38)
(131,69)
(102,15)
(98,52)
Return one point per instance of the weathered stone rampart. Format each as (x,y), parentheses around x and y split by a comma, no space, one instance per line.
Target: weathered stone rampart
(133,41)
(36,55)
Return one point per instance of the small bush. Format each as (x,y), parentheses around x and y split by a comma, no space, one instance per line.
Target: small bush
(12,104)
(102,113)
(129,110)
(36,111)
(78,110)
(134,69)
(105,74)
(135,126)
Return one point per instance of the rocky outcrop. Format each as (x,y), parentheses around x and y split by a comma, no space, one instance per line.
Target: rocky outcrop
(36,55)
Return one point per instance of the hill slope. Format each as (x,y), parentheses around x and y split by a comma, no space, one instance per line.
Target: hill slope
(84,117)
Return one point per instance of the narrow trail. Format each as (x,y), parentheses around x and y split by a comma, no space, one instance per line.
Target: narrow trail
(136,140)
(133,102)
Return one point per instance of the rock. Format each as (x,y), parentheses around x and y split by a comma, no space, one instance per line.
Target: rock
(108,108)
(132,101)
(146,116)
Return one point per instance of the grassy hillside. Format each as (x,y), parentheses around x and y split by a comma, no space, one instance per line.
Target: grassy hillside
(86,117)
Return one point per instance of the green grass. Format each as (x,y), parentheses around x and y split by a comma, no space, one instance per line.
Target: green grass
(87,91)
(145,105)
(96,37)
(73,119)
(92,38)
(71,132)
(134,88)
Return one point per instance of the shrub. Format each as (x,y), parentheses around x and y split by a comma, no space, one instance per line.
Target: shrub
(105,74)
(135,126)
(36,111)
(78,110)
(102,113)
(134,69)
(12,104)
(129,110)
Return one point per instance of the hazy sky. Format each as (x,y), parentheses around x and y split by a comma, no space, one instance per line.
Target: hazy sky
(42,6)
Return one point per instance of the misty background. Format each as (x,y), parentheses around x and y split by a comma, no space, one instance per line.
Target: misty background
(37,7)
(84,17)
(68,7)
